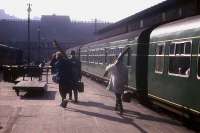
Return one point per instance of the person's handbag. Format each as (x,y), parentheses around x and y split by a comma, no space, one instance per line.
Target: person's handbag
(80,86)
(126,97)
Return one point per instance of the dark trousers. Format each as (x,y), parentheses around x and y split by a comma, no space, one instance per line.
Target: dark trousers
(75,90)
(118,102)
(63,89)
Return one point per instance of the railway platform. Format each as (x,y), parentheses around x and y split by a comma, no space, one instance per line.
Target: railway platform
(94,113)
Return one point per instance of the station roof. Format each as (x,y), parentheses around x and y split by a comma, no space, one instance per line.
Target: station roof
(159,7)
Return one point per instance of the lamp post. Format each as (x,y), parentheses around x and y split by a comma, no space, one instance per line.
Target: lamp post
(39,44)
(29,11)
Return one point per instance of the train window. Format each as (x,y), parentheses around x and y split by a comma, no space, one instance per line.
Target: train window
(160,50)
(96,56)
(179,63)
(101,56)
(171,48)
(91,56)
(105,56)
(180,48)
(187,48)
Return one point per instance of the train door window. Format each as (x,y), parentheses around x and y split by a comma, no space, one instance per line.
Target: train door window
(160,50)
(179,62)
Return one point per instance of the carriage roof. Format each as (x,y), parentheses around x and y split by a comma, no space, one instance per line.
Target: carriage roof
(116,40)
(184,28)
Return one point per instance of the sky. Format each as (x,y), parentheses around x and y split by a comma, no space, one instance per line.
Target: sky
(78,10)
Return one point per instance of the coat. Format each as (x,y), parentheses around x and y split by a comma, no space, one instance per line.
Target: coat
(64,72)
(76,69)
(118,77)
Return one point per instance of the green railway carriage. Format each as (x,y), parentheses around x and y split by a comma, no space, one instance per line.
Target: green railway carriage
(97,55)
(174,64)
(163,63)
(76,49)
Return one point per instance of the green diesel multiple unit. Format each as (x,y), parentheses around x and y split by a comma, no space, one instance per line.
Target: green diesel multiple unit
(163,62)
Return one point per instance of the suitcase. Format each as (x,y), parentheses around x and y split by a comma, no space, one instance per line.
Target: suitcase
(80,86)
(126,97)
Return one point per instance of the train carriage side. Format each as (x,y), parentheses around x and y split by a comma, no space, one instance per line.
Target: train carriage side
(174,65)
(76,49)
(97,55)
(92,58)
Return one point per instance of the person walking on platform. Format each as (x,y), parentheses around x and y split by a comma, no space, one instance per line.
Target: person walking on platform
(76,69)
(118,79)
(64,74)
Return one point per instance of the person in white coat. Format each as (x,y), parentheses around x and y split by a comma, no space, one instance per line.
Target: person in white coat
(118,79)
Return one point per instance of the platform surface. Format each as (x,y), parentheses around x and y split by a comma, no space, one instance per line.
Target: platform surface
(94,113)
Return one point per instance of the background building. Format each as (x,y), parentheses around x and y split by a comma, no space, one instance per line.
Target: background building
(14,32)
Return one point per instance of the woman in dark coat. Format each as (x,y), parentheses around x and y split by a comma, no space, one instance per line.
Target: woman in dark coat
(64,74)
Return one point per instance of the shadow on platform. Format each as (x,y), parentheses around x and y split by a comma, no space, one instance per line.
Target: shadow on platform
(127,117)
(105,95)
(95,104)
(38,95)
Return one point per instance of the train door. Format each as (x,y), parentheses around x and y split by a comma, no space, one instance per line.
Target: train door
(142,63)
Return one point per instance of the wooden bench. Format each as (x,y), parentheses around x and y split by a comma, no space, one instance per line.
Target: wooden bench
(28,86)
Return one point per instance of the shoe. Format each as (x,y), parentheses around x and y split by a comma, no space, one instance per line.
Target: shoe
(76,101)
(64,103)
(121,112)
(116,108)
